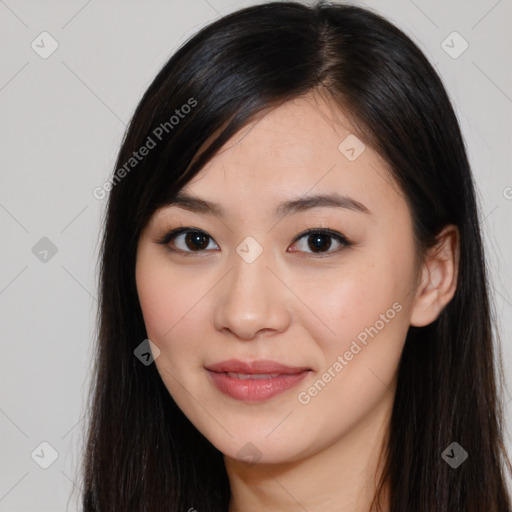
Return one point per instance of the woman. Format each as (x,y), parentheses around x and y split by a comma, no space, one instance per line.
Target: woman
(294,306)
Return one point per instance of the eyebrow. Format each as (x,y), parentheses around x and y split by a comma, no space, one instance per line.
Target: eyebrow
(197,205)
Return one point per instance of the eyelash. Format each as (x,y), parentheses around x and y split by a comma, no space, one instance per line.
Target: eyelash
(172,234)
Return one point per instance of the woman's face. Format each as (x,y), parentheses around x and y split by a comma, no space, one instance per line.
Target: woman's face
(319,321)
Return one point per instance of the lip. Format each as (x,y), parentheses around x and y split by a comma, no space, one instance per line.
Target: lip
(280,378)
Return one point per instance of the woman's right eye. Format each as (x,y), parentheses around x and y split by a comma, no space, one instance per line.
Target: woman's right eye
(186,240)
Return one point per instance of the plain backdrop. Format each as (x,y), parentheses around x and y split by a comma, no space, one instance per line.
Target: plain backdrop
(63,116)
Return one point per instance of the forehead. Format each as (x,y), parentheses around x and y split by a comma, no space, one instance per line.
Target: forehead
(300,136)
(305,146)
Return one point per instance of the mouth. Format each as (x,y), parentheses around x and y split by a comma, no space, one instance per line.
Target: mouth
(255,381)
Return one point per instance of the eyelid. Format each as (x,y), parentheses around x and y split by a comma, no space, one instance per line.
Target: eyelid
(327,231)
(169,235)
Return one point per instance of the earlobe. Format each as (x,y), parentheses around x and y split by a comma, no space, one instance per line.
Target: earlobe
(438,278)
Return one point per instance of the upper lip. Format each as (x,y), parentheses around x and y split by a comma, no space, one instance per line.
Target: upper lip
(261,366)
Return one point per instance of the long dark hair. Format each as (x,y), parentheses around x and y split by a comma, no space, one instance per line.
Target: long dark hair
(142,453)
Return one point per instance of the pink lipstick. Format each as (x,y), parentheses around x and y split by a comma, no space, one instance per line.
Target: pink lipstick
(255,381)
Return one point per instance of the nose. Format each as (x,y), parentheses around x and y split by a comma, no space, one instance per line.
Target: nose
(252,301)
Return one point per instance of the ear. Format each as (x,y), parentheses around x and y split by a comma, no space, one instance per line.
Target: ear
(437,278)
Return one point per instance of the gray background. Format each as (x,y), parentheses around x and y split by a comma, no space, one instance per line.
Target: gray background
(62,120)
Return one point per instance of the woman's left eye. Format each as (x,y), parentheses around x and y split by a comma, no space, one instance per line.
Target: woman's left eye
(319,240)
(190,241)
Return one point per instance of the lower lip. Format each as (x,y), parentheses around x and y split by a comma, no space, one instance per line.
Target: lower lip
(255,390)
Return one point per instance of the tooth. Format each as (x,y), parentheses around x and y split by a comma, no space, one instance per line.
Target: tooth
(257,376)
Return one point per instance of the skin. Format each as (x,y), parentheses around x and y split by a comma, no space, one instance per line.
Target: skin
(292,305)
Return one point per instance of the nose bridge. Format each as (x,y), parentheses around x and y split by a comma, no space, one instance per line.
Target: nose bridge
(252,297)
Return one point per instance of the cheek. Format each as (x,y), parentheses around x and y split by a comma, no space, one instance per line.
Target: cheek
(159,298)
(353,298)
(173,310)
(364,307)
